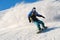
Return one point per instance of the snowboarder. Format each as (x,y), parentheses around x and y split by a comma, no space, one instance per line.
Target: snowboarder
(32,17)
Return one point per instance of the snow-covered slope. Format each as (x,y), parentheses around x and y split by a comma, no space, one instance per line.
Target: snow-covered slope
(14,23)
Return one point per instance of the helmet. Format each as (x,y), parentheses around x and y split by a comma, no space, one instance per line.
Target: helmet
(34,8)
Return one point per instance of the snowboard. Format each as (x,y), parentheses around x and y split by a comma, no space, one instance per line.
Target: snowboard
(43,30)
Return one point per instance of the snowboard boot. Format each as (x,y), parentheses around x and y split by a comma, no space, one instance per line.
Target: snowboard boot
(45,27)
(39,31)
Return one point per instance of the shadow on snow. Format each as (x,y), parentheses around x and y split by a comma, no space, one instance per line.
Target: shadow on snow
(50,29)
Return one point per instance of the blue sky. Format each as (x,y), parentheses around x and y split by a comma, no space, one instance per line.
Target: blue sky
(5,4)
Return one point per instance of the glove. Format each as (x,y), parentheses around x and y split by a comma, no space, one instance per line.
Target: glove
(30,21)
(43,17)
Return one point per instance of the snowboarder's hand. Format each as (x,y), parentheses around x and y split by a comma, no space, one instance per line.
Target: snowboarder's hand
(43,17)
(30,21)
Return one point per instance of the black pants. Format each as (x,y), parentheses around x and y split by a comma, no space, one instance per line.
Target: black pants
(38,22)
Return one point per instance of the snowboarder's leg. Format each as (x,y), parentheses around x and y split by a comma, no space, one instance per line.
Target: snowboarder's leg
(38,25)
(43,25)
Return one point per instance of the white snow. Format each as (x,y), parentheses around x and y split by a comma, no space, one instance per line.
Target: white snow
(14,24)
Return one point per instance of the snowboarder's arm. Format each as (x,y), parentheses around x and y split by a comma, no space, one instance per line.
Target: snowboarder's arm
(29,19)
(39,15)
(29,16)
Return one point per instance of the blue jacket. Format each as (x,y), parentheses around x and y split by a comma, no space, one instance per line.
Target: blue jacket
(32,15)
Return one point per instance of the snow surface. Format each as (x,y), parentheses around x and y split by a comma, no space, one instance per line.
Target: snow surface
(14,23)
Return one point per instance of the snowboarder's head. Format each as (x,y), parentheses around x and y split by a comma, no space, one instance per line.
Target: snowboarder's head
(34,9)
